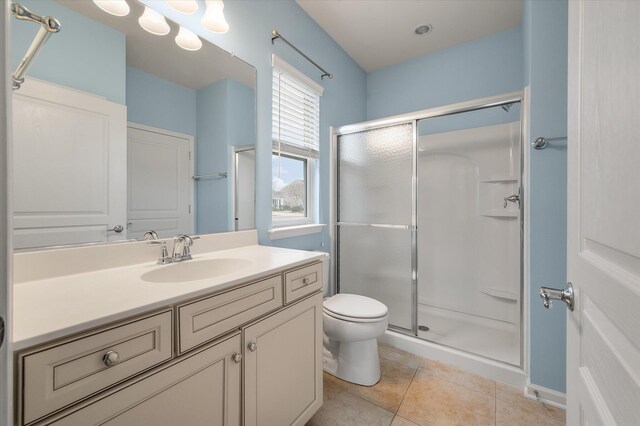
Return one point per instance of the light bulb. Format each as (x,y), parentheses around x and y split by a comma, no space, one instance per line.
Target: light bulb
(188,7)
(114,7)
(153,22)
(213,19)
(188,40)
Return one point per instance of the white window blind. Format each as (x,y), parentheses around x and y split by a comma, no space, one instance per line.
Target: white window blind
(296,112)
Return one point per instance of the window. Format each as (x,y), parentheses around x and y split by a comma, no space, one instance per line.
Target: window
(296,141)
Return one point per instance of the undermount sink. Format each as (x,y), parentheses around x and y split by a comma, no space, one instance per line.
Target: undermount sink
(194,270)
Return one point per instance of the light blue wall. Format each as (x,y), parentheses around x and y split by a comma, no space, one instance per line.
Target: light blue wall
(343,102)
(545,44)
(485,67)
(212,157)
(157,102)
(102,68)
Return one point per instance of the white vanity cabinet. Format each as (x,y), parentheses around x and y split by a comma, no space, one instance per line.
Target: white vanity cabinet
(244,355)
(283,366)
(202,388)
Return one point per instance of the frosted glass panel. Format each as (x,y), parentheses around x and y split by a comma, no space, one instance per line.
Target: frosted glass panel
(376,262)
(375,171)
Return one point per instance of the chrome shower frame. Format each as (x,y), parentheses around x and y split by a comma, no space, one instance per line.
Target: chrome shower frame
(504,100)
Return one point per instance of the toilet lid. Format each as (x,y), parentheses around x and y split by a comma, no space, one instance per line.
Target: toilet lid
(355,306)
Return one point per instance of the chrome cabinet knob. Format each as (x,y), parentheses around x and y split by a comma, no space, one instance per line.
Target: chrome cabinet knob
(111,358)
(549,294)
(305,280)
(117,229)
(252,346)
(237,357)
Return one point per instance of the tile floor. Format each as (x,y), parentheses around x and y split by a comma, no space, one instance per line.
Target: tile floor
(417,391)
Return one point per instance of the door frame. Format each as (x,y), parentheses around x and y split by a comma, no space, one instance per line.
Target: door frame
(192,156)
(6,214)
(234,176)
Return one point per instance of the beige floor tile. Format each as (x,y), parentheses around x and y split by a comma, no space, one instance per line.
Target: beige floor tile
(459,376)
(342,408)
(433,400)
(394,354)
(390,390)
(401,421)
(522,412)
(512,403)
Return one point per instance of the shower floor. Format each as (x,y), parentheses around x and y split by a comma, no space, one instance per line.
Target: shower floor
(482,336)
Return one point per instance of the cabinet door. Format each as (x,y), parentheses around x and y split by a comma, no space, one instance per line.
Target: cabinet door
(283,374)
(199,389)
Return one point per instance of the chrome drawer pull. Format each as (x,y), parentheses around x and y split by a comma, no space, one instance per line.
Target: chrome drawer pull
(111,358)
(305,280)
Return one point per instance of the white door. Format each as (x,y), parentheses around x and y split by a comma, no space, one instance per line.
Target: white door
(603,332)
(160,181)
(69,166)
(245,182)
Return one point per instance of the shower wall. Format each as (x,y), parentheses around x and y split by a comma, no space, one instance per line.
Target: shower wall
(469,241)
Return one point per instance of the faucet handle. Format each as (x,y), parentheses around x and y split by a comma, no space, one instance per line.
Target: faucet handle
(164,254)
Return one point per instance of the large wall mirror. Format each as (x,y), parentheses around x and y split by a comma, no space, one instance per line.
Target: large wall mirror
(117,131)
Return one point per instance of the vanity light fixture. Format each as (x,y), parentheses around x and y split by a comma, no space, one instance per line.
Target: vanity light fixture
(213,19)
(153,22)
(188,40)
(114,7)
(188,7)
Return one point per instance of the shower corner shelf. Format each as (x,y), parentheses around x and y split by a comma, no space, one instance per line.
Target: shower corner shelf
(499,179)
(509,214)
(501,294)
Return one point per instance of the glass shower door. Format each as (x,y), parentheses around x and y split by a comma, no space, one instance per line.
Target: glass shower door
(375,218)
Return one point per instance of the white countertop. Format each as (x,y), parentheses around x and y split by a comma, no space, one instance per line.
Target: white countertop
(48,309)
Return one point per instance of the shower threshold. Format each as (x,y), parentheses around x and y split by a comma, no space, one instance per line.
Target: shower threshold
(489,338)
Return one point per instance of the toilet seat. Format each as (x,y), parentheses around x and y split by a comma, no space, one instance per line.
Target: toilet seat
(354,308)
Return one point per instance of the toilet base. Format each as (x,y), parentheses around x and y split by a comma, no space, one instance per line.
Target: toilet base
(355,362)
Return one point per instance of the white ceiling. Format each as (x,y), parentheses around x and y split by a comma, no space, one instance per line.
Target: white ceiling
(162,57)
(379,33)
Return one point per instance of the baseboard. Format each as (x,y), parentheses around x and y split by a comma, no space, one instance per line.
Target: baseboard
(546,395)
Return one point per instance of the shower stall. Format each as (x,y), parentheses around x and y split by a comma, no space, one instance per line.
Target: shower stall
(428,217)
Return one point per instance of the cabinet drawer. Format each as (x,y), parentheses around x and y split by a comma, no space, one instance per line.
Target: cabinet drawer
(206,319)
(59,375)
(302,282)
(202,388)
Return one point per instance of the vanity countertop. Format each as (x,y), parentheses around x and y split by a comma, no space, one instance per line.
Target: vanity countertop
(48,309)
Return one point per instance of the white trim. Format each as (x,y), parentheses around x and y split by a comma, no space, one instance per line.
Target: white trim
(546,395)
(295,231)
(6,217)
(526,187)
(494,370)
(235,150)
(192,161)
(279,63)
(312,167)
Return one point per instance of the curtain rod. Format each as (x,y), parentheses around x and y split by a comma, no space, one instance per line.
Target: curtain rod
(48,26)
(276,35)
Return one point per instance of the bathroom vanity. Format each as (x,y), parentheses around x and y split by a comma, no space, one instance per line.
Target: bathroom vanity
(148,344)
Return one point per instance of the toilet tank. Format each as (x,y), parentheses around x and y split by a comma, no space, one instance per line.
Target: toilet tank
(325,273)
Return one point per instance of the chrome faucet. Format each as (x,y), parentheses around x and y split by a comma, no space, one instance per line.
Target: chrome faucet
(150,235)
(182,247)
(164,258)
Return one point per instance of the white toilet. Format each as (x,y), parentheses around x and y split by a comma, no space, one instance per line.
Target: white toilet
(352,323)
